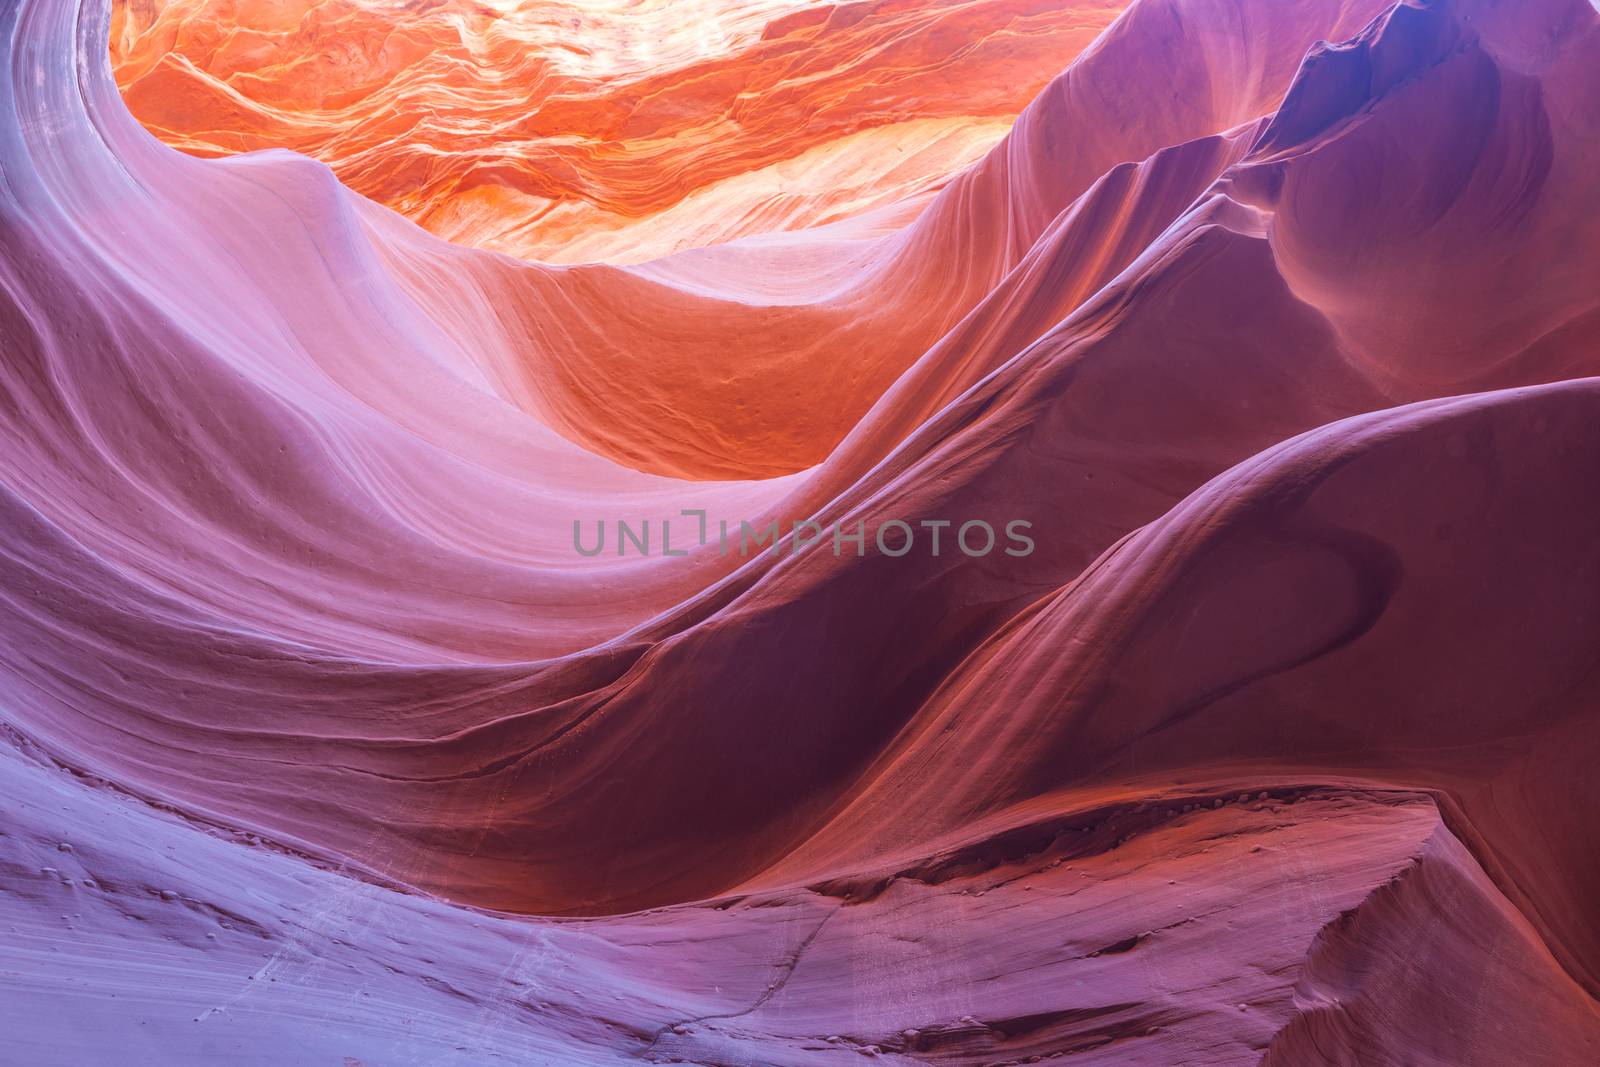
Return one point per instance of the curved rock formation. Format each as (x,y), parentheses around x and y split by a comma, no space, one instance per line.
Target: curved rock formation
(323,733)
(570,131)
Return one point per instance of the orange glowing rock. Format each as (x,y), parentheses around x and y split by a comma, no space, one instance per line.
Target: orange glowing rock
(572,131)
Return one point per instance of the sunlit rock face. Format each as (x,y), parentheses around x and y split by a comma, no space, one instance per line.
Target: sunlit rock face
(616,131)
(333,734)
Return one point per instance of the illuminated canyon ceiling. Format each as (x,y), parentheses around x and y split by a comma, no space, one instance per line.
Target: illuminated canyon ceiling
(618,132)
(772,533)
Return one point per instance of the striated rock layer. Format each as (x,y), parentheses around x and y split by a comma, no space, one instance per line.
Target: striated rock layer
(568,131)
(324,744)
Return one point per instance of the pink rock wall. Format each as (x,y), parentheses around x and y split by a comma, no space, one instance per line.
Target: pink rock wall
(323,744)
